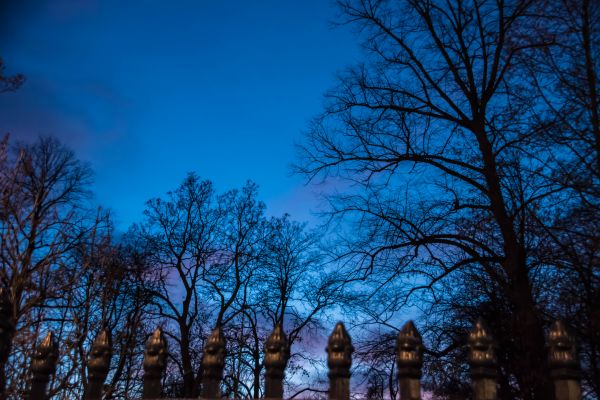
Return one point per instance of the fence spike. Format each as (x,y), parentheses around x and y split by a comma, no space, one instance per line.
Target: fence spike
(564,362)
(339,360)
(98,365)
(213,363)
(43,366)
(409,358)
(482,362)
(155,361)
(277,354)
(7,331)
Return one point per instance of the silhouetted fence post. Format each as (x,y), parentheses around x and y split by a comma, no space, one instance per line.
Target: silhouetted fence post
(155,361)
(7,331)
(98,365)
(43,366)
(564,363)
(482,362)
(277,354)
(339,360)
(213,363)
(409,358)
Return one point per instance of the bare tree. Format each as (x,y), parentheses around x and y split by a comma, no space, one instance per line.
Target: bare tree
(111,293)
(42,219)
(437,142)
(205,249)
(564,76)
(180,234)
(233,278)
(290,287)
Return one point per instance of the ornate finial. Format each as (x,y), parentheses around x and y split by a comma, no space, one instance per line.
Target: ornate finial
(45,356)
(214,354)
(100,355)
(213,363)
(7,325)
(409,355)
(562,355)
(482,355)
(277,352)
(155,356)
(339,352)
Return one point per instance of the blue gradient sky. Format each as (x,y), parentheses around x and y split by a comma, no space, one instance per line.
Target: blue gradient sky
(149,90)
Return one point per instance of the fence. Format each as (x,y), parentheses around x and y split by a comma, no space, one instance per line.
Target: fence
(563,361)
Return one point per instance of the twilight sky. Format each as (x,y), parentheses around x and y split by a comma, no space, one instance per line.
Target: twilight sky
(148,90)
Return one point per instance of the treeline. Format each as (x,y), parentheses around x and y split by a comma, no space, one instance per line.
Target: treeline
(197,259)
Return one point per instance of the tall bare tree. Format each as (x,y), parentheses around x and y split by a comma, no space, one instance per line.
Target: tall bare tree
(434,134)
(180,233)
(564,76)
(291,287)
(43,217)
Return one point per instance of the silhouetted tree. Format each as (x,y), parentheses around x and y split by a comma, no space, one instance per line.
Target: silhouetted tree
(42,219)
(179,234)
(436,136)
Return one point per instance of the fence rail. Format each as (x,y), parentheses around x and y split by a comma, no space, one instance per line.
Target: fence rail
(563,361)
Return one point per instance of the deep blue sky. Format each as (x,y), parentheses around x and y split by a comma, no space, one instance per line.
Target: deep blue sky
(149,90)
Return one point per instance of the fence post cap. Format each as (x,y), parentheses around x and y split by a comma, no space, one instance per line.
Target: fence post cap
(213,360)
(339,352)
(100,353)
(277,350)
(216,338)
(482,354)
(45,355)
(562,353)
(155,355)
(409,351)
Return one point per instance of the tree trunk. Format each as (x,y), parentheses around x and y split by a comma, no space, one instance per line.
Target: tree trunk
(189,381)
(532,371)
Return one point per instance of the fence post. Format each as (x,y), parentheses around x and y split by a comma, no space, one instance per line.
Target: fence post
(98,365)
(155,361)
(7,331)
(277,354)
(339,360)
(43,366)
(482,362)
(564,363)
(409,358)
(213,363)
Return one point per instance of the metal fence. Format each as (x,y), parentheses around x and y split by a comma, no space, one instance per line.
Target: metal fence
(563,361)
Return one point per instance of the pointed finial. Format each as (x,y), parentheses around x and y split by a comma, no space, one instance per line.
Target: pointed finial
(100,355)
(339,352)
(213,363)
(482,355)
(155,356)
(214,354)
(277,352)
(409,354)
(562,355)
(45,356)
(155,362)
